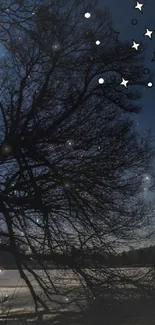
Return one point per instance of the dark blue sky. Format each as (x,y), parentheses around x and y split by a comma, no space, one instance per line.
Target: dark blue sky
(123,12)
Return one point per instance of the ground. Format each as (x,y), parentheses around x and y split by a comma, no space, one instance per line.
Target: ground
(134,310)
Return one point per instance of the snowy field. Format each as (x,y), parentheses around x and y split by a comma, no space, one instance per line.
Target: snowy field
(15,297)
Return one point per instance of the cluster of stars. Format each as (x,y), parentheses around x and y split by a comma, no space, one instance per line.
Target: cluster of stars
(123,82)
(135,46)
(134,22)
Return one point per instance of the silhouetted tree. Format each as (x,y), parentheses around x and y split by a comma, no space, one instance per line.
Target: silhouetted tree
(71,161)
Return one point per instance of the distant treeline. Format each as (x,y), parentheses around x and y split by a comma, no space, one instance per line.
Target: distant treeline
(143,257)
(140,257)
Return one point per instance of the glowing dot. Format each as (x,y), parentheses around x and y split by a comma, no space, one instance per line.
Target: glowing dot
(67,185)
(70,143)
(6,149)
(101,81)
(98,42)
(56,47)
(87,15)
(150,84)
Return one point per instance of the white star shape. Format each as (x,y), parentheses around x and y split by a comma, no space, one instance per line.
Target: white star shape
(124,82)
(139,6)
(135,45)
(148,33)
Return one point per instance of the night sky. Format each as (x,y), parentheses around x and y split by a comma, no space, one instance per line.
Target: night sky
(131,23)
(123,12)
